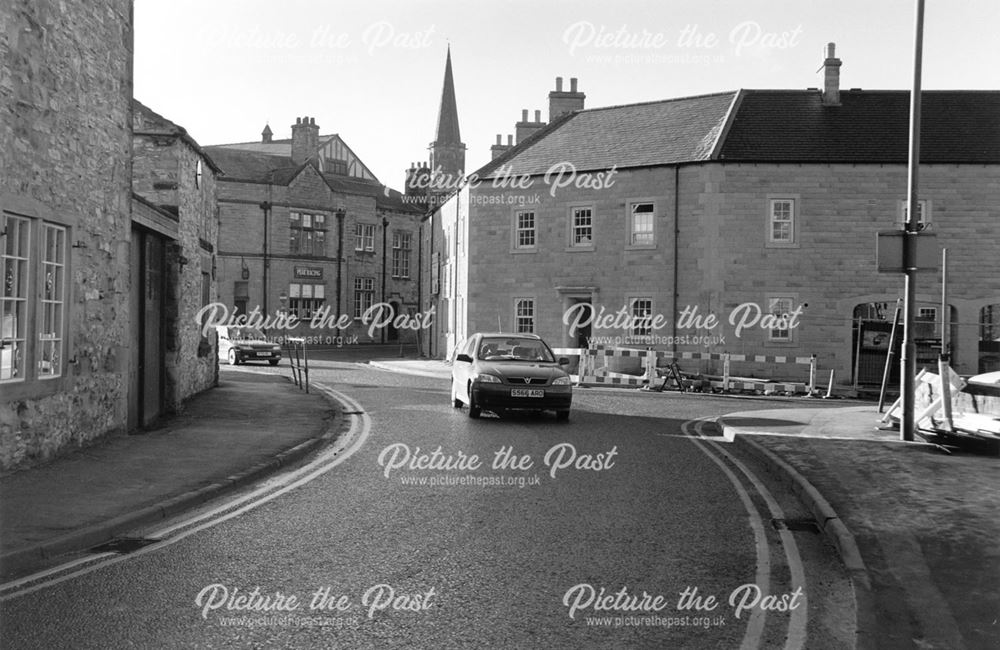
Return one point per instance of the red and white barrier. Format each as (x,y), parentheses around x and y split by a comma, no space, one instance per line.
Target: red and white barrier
(592,372)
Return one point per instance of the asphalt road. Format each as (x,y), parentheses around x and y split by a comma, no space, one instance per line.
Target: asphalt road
(615,529)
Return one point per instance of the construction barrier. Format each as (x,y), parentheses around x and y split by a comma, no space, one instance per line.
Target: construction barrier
(593,368)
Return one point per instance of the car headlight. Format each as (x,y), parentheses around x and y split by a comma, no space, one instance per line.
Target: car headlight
(483,378)
(275,348)
(561,381)
(244,348)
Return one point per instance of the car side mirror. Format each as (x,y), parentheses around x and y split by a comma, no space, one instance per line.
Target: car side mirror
(464,357)
(563,361)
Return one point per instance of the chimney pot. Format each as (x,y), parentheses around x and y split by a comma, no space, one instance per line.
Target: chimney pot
(524,115)
(831,49)
(499,139)
(572,84)
(298,120)
(538,116)
(510,140)
(558,84)
(312,121)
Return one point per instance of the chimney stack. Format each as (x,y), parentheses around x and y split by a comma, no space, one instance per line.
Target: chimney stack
(524,128)
(831,77)
(561,102)
(499,148)
(305,139)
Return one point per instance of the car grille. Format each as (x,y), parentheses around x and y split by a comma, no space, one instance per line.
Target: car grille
(537,381)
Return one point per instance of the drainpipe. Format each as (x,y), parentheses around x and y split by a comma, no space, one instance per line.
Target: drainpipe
(677,230)
(340,253)
(385,231)
(266,208)
(420,282)
(433,333)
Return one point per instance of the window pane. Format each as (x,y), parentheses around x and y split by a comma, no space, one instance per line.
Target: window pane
(582,229)
(780,307)
(525,315)
(642,223)
(53,298)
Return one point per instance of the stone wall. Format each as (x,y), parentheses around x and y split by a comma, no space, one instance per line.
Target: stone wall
(241,241)
(165,172)
(65,143)
(722,258)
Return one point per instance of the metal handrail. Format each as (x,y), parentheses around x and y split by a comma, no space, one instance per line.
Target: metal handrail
(299,363)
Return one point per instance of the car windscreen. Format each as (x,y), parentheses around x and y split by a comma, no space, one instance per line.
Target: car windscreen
(246,334)
(513,349)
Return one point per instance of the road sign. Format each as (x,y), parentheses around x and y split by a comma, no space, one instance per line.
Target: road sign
(889,251)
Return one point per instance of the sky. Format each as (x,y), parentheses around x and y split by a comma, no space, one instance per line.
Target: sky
(372,71)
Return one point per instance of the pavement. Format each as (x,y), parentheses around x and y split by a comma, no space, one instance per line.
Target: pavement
(229,436)
(916,527)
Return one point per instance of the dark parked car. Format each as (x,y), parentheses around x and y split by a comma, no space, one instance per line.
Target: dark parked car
(498,372)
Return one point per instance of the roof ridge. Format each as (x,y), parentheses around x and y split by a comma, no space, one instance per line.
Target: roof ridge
(658,101)
(277,141)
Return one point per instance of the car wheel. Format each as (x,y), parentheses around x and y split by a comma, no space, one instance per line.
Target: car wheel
(273,362)
(232,357)
(457,403)
(562,416)
(474,410)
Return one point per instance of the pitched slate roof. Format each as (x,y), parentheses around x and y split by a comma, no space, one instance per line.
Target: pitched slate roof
(634,135)
(146,121)
(249,166)
(282,147)
(790,126)
(241,165)
(869,126)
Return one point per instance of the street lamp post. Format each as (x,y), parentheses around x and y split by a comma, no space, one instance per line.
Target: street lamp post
(908,360)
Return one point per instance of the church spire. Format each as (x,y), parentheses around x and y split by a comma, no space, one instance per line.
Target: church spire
(447,150)
(447,127)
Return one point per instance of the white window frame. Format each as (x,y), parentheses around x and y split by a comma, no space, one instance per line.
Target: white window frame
(631,242)
(364,237)
(782,336)
(517,230)
(52,305)
(522,316)
(571,227)
(32,306)
(364,295)
(402,244)
(305,298)
(636,329)
(793,221)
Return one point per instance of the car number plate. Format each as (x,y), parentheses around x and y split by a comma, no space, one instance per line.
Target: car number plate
(526,392)
(263,354)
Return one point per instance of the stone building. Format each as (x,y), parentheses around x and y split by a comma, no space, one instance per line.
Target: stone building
(757,207)
(175,229)
(306,229)
(65,192)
